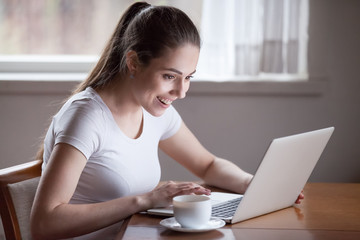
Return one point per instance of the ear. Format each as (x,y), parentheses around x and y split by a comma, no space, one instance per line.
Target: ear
(132,62)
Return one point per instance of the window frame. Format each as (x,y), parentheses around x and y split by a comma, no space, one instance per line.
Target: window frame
(57,73)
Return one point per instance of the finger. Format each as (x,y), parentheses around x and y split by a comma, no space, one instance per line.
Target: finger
(188,185)
(192,186)
(300,197)
(197,188)
(202,190)
(193,190)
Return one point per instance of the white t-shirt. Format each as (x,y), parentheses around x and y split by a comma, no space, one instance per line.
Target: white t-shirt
(117,165)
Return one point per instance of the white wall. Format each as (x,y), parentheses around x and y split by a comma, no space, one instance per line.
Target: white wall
(236,124)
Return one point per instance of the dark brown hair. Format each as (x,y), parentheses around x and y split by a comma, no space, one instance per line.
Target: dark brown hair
(149,31)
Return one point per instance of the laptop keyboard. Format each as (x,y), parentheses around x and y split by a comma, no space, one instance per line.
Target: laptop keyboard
(226,209)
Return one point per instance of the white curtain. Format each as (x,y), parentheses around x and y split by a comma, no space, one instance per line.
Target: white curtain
(252,37)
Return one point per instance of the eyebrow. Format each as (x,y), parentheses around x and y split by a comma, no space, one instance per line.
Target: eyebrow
(177,71)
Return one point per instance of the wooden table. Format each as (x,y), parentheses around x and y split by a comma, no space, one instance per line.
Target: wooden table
(329,211)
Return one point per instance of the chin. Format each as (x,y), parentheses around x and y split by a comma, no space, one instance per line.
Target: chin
(156,109)
(156,112)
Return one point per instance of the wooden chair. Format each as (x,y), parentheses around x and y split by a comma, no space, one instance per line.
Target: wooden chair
(18,185)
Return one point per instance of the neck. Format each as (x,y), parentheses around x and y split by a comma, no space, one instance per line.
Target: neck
(118,97)
(126,111)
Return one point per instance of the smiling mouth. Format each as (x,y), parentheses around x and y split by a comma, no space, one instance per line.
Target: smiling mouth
(164,100)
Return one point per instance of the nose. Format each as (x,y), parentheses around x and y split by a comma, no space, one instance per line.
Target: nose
(180,88)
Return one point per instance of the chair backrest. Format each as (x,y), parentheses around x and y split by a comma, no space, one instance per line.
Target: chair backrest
(18,185)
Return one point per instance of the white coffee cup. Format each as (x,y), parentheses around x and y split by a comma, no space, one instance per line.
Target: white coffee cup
(192,211)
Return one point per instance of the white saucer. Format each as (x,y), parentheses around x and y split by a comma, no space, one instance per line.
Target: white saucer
(172,224)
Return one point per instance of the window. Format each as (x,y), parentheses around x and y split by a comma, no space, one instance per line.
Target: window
(76,27)
(254,38)
(242,39)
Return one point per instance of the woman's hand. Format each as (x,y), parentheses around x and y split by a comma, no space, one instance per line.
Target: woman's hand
(162,195)
(300,197)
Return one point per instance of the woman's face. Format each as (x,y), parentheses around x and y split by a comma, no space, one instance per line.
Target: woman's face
(165,79)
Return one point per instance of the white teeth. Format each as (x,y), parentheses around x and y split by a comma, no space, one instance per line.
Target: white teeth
(165,101)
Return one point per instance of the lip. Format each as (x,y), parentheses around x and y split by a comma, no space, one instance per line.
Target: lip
(162,104)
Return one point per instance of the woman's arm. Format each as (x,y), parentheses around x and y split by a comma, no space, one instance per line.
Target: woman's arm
(52,216)
(226,175)
(187,150)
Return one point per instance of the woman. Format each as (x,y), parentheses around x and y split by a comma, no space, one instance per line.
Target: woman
(100,152)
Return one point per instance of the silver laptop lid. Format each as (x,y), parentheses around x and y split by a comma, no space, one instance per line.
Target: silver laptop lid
(282,174)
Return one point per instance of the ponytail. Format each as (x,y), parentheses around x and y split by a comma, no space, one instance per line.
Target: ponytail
(108,65)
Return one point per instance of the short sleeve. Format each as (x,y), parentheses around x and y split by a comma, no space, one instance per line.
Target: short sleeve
(173,120)
(81,126)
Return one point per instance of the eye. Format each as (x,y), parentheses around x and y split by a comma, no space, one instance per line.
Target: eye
(189,77)
(168,76)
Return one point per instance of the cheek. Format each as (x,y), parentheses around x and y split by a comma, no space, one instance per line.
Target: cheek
(155,88)
(145,83)
(187,86)
(161,86)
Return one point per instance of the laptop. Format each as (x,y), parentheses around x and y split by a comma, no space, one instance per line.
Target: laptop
(278,181)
